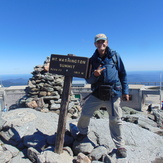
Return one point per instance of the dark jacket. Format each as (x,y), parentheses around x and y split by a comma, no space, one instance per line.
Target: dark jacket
(114,73)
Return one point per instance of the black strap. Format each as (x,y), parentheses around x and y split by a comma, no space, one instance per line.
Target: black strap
(114,58)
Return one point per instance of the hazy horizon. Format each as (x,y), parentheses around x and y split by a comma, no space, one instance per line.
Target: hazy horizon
(132,75)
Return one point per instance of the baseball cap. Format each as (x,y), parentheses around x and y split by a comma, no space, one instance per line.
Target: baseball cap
(100,37)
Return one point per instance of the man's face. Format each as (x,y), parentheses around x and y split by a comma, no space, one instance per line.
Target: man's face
(101,45)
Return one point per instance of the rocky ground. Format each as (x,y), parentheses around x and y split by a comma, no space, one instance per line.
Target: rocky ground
(28,135)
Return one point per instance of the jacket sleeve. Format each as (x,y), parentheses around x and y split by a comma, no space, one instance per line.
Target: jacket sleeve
(92,79)
(122,75)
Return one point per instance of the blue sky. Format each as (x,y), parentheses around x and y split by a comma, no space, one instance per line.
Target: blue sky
(31,30)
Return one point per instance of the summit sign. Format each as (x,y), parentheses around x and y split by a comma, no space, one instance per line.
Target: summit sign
(69,65)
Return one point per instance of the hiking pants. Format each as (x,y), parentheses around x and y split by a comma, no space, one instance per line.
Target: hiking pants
(115,115)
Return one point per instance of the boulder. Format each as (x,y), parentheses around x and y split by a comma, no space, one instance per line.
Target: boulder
(51,157)
(158,115)
(82,158)
(32,104)
(98,152)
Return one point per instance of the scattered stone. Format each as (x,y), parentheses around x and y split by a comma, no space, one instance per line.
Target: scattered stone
(131,119)
(14,151)
(158,160)
(158,117)
(51,157)
(127,111)
(98,152)
(82,158)
(32,104)
(32,154)
(85,147)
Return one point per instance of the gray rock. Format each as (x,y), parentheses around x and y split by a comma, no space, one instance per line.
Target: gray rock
(99,114)
(51,157)
(98,152)
(131,119)
(145,122)
(158,160)
(32,154)
(101,134)
(147,142)
(42,93)
(22,122)
(20,159)
(129,111)
(68,150)
(51,97)
(31,84)
(59,89)
(49,89)
(5,156)
(48,77)
(55,106)
(82,158)
(107,159)
(16,159)
(85,147)
(59,82)
(158,114)
(14,151)
(11,136)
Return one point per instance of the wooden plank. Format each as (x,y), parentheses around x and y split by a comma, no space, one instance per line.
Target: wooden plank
(63,115)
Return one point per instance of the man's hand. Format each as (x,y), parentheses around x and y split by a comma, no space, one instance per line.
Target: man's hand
(98,71)
(125,97)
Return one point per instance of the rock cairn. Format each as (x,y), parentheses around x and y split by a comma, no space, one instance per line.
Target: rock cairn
(44,92)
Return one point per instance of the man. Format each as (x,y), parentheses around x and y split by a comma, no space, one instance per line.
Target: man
(108,83)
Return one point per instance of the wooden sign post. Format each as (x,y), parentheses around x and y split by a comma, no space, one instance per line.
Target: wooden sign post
(70,66)
(62,116)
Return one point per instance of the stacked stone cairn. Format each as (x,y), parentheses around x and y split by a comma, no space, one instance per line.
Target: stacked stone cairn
(44,92)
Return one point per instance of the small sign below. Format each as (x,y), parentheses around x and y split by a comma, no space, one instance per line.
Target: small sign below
(69,65)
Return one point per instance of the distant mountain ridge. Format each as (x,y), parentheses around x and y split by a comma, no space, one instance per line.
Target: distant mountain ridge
(133,77)
(14,82)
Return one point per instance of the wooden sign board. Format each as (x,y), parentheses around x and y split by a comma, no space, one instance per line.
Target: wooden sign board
(69,65)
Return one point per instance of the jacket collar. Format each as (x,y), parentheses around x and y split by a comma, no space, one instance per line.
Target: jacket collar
(108,53)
